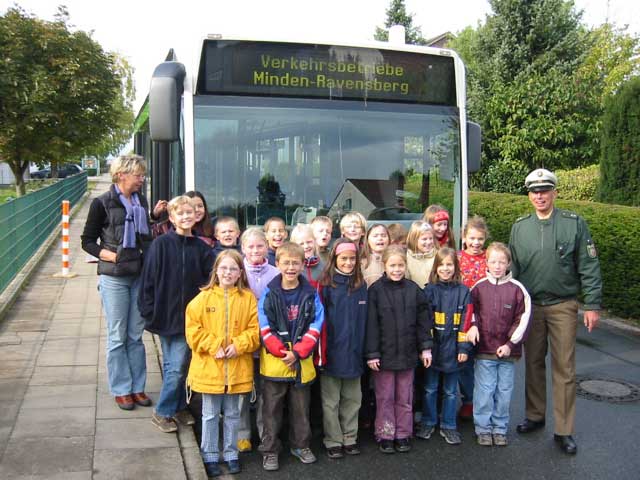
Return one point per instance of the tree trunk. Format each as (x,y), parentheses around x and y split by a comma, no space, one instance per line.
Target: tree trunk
(54,170)
(18,168)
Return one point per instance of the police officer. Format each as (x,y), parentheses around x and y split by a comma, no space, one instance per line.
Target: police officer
(556,260)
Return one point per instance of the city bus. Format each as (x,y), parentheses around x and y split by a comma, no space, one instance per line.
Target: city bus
(296,129)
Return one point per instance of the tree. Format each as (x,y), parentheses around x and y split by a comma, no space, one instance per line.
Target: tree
(61,95)
(397,15)
(536,82)
(620,160)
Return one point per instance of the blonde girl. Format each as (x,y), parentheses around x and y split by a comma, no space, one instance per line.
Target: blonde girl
(222,331)
(421,251)
(438,218)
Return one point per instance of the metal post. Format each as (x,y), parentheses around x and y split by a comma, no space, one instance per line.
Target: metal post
(65,242)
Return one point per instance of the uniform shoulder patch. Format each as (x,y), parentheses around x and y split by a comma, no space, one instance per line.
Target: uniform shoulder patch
(523,217)
(591,249)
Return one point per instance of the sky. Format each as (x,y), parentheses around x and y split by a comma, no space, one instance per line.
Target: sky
(143,31)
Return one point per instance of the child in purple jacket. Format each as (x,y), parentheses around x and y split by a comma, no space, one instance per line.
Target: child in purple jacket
(260,273)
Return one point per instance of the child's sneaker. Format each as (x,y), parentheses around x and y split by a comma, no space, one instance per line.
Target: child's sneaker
(213,469)
(270,462)
(500,439)
(233,466)
(244,445)
(305,455)
(164,424)
(425,432)
(452,437)
(352,449)
(484,439)
(386,446)
(402,445)
(334,453)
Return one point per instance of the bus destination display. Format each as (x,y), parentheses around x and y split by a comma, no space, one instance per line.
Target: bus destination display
(350,73)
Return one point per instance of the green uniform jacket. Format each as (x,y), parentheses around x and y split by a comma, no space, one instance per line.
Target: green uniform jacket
(556,259)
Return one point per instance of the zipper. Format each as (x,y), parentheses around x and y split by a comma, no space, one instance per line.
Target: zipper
(226,337)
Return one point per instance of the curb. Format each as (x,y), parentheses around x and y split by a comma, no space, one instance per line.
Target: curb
(12,291)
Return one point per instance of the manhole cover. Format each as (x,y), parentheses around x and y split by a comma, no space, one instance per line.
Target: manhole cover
(607,389)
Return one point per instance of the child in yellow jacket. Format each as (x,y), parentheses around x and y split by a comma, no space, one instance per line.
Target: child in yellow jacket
(222,331)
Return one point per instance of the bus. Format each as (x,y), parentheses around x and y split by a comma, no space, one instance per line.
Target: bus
(296,129)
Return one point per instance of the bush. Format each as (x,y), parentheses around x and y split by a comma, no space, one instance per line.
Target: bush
(91,172)
(504,176)
(579,183)
(615,230)
(620,147)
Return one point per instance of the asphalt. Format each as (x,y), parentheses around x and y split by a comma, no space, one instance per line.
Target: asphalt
(58,420)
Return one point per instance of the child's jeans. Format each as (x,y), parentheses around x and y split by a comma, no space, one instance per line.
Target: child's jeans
(175,362)
(211,407)
(274,396)
(449,399)
(492,395)
(394,409)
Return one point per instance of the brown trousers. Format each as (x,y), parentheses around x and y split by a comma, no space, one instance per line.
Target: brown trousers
(554,327)
(274,394)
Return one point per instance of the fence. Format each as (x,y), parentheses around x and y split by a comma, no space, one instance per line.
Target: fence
(27,221)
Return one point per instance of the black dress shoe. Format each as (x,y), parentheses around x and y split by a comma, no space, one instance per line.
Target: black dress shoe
(528,426)
(566,443)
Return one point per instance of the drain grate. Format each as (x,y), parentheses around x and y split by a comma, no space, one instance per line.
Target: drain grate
(606,389)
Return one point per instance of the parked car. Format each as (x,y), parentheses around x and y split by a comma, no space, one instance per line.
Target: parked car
(64,171)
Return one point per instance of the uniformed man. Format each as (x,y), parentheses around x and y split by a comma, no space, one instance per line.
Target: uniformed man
(556,260)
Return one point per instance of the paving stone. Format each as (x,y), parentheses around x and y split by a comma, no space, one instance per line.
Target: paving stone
(73,330)
(47,456)
(52,422)
(193,463)
(17,369)
(155,463)
(69,351)
(62,396)
(66,375)
(131,433)
(12,389)
(59,476)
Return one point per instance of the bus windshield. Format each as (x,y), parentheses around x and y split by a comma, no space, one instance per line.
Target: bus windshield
(299,158)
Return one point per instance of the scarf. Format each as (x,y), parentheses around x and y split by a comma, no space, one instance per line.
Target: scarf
(135,220)
(311,261)
(444,241)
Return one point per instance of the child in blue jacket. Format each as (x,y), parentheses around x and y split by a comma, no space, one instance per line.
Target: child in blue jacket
(344,293)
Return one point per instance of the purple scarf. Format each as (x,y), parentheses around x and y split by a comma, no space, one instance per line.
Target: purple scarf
(135,220)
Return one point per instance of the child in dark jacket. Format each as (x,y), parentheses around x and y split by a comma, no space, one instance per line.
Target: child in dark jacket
(502,309)
(398,333)
(291,316)
(227,232)
(450,302)
(175,266)
(344,295)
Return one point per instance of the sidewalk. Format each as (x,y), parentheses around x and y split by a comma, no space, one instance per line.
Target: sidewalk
(58,420)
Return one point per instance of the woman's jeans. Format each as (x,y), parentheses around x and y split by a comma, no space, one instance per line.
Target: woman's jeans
(449,399)
(126,359)
(175,361)
(212,406)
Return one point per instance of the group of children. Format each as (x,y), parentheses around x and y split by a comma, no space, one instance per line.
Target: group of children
(362,313)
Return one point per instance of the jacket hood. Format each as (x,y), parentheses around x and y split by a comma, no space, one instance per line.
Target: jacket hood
(498,281)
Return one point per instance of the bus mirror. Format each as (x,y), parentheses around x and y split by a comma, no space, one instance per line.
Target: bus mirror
(474,145)
(167,85)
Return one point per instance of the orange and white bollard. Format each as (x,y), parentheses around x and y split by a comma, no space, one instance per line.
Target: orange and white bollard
(65,242)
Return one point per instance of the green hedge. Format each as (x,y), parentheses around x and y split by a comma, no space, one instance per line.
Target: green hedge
(579,183)
(615,230)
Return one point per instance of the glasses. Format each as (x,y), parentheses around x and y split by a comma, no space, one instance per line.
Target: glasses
(229,269)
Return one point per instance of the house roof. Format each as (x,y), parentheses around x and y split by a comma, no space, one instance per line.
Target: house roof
(382,193)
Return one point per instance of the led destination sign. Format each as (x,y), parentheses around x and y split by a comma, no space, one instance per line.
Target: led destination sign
(351,73)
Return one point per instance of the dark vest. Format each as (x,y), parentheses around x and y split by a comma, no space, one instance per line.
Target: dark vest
(129,260)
